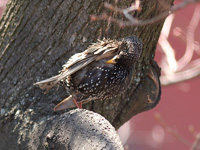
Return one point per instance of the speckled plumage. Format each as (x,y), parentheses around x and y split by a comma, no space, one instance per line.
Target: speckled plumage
(102,71)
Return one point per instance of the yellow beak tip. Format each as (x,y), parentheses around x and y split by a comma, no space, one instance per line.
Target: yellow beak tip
(111,61)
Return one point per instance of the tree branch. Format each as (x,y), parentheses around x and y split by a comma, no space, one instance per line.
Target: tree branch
(37,37)
(178,70)
(79,129)
(135,7)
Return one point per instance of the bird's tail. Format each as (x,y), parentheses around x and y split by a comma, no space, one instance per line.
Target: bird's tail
(48,83)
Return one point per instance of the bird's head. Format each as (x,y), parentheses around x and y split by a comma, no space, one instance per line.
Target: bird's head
(130,49)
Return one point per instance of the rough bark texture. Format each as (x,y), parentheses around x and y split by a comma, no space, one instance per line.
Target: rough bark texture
(68,131)
(36,38)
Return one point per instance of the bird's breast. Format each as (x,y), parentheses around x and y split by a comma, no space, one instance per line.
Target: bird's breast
(103,81)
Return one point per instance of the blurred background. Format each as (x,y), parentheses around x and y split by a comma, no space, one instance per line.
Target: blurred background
(175,122)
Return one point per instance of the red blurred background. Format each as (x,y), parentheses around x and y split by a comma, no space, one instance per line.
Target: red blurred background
(179,104)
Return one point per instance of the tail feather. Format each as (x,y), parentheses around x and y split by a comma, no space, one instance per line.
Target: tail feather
(48,83)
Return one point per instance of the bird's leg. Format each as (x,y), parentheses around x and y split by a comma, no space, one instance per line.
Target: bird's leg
(78,105)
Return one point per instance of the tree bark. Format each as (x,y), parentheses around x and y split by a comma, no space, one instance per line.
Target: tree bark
(37,38)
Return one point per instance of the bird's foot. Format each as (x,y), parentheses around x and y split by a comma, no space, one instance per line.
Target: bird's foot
(78,105)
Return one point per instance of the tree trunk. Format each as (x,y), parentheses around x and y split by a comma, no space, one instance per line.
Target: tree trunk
(37,38)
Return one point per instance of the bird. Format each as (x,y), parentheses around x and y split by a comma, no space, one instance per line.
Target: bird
(103,71)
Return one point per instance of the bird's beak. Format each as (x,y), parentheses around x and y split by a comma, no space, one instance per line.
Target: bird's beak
(111,61)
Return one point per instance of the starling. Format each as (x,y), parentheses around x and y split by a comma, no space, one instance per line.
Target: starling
(102,71)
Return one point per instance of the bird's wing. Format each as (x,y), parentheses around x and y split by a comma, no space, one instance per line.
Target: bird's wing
(53,81)
(100,50)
